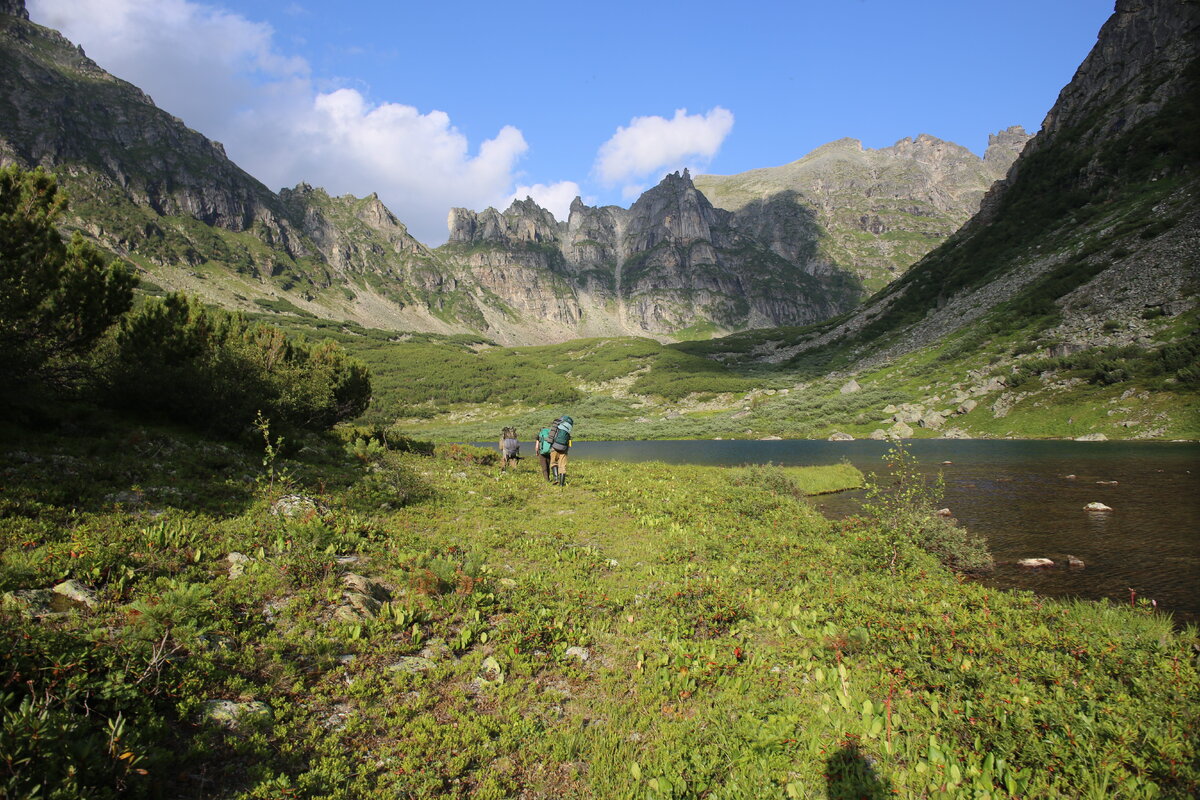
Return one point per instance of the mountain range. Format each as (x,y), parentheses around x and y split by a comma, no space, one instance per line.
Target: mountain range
(790,245)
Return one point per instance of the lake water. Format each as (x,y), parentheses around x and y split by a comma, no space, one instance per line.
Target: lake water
(1015,493)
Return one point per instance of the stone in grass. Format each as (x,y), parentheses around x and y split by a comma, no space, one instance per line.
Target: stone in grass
(232,715)
(237,564)
(1097,507)
(580,653)
(298,505)
(32,603)
(412,664)
(77,593)
(879,434)
(944,512)
(1035,562)
(1092,437)
(361,585)
(357,607)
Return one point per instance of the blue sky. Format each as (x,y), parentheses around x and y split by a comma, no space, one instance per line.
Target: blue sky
(435,104)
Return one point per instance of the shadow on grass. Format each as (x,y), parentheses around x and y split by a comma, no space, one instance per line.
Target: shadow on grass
(851,776)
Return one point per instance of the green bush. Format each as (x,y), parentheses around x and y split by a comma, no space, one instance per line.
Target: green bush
(217,370)
(903,512)
(56,299)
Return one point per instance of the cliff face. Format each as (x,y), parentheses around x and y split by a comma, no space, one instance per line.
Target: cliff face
(109,142)
(145,186)
(1095,227)
(869,212)
(671,261)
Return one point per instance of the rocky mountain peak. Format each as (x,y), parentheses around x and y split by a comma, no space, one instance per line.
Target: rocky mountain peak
(524,221)
(1004,147)
(674,209)
(14,8)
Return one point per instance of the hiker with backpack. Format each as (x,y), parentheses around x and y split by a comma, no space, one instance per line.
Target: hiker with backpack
(510,448)
(542,446)
(560,443)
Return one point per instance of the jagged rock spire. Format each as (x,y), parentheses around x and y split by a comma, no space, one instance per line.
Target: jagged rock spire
(14,8)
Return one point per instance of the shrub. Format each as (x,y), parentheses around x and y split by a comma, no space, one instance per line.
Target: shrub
(466,454)
(956,547)
(215,369)
(903,510)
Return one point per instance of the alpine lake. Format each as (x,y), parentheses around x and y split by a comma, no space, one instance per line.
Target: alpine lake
(1026,497)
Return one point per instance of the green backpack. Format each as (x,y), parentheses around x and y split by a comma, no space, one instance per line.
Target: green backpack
(543,442)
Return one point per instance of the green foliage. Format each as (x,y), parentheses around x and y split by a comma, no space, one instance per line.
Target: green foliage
(56,299)
(175,358)
(734,642)
(676,374)
(1176,361)
(903,510)
(798,481)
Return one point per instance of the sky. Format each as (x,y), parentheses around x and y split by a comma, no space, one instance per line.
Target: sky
(434,105)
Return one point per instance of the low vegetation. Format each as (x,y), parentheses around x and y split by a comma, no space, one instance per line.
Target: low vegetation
(337,619)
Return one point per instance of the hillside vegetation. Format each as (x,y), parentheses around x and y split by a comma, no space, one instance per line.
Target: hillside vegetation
(357,622)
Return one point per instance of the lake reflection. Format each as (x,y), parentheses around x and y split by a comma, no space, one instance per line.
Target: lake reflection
(1016,494)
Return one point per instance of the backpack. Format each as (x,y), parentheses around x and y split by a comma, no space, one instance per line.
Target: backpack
(511,447)
(562,434)
(543,442)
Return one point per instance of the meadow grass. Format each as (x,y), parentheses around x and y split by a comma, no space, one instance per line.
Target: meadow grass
(690,632)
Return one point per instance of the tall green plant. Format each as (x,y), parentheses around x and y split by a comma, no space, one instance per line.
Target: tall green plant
(902,506)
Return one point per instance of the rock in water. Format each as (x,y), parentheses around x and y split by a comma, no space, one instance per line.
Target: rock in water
(1035,562)
(837,436)
(1072,561)
(1099,507)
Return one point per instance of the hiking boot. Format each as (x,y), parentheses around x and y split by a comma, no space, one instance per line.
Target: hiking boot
(554,474)
(562,479)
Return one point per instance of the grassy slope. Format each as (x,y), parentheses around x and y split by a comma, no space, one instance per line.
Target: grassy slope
(738,644)
(463,389)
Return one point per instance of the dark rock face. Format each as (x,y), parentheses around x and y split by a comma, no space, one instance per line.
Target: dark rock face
(1095,222)
(112,147)
(14,8)
(670,261)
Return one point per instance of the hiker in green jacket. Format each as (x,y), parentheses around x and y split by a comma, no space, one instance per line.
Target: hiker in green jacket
(560,443)
(541,446)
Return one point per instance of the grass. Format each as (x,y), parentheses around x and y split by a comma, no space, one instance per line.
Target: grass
(709,635)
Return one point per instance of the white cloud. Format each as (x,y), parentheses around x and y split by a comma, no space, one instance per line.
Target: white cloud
(651,145)
(555,198)
(224,76)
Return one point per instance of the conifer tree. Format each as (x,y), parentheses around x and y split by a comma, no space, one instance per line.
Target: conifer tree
(56,298)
